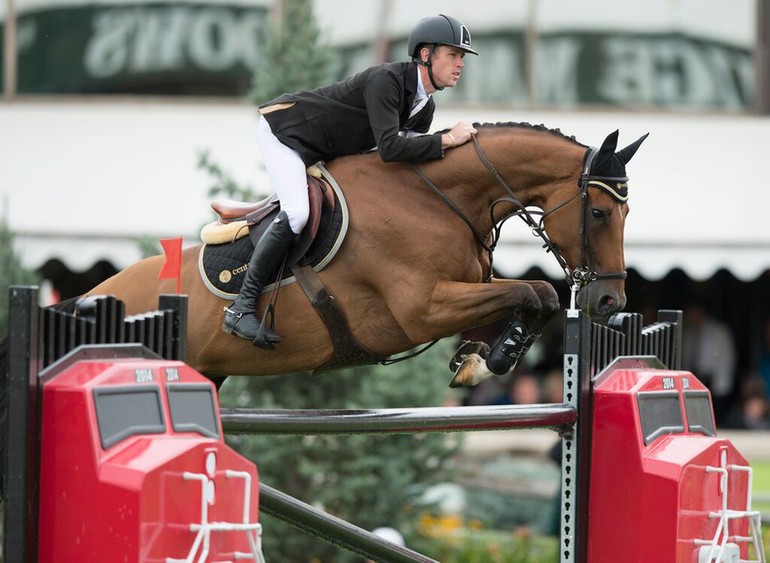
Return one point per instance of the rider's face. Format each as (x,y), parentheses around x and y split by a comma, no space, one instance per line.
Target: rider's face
(447,65)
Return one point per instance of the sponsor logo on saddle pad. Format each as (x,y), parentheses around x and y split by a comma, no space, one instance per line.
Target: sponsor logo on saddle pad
(223,266)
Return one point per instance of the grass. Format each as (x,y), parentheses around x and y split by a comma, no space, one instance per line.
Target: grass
(761,486)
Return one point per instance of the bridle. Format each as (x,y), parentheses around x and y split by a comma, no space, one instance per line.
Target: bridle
(576,278)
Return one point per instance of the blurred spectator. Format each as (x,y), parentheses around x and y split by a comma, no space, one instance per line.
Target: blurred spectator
(525,389)
(753,409)
(764,357)
(522,388)
(709,353)
(553,385)
(488,392)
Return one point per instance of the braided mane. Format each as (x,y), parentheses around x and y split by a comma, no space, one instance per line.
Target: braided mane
(525,125)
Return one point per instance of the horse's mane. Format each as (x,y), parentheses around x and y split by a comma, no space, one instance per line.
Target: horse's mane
(525,125)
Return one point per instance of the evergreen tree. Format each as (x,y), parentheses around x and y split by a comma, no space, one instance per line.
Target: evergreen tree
(294,56)
(11,271)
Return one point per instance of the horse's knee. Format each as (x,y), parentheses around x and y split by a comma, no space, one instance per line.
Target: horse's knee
(528,302)
(549,300)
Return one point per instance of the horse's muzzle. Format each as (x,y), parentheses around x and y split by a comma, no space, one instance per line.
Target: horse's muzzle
(601,298)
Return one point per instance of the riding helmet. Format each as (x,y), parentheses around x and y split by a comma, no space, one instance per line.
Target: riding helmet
(439,30)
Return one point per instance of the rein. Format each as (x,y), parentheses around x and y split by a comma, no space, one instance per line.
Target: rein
(476,234)
(577,278)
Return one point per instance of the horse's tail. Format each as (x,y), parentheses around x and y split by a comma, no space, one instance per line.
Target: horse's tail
(67,306)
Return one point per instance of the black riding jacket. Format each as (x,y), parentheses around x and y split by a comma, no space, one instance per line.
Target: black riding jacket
(364,111)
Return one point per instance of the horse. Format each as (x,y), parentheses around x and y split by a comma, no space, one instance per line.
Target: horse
(416,263)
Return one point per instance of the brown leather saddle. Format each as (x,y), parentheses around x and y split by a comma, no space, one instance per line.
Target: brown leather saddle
(224,258)
(255,215)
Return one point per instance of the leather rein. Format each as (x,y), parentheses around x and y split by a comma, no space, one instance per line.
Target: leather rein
(580,276)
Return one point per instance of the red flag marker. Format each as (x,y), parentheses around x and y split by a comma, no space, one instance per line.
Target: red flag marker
(172,267)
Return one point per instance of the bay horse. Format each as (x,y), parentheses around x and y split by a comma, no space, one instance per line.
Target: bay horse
(415,265)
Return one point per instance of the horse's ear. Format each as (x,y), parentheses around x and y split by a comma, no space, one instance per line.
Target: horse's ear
(624,155)
(606,151)
(611,142)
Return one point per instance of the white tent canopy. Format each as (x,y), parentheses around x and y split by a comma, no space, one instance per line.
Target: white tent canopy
(81,181)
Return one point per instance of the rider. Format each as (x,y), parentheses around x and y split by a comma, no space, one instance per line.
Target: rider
(388,106)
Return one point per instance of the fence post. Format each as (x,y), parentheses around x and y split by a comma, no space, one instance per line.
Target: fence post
(22,468)
(576,452)
(675,318)
(177,304)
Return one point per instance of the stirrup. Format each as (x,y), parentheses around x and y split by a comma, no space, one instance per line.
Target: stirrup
(266,338)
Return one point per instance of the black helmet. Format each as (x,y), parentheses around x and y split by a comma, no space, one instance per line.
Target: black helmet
(439,30)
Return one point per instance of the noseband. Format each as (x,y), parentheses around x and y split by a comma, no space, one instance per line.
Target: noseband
(586,272)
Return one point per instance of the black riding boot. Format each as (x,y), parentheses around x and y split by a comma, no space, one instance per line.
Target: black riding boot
(241,317)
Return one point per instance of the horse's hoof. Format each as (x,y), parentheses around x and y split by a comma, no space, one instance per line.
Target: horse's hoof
(466,349)
(472,371)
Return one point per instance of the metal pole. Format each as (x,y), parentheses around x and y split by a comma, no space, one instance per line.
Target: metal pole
(382,37)
(531,38)
(332,529)
(762,59)
(559,417)
(10,52)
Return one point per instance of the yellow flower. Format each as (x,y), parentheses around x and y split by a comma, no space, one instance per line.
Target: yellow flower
(475,524)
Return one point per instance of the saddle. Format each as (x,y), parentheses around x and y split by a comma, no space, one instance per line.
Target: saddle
(227,248)
(226,252)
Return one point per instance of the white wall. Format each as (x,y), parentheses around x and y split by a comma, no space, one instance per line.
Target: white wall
(79,178)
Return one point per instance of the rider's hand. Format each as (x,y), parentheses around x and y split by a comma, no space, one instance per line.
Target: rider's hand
(458,135)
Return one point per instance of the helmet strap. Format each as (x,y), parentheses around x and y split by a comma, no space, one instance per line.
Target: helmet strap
(429,65)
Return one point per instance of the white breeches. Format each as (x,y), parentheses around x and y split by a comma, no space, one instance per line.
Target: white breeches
(287,174)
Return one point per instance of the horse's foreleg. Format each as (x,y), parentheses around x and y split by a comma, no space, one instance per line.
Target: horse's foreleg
(532,302)
(520,334)
(476,361)
(454,307)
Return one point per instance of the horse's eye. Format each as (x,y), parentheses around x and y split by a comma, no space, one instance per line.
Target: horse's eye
(600,214)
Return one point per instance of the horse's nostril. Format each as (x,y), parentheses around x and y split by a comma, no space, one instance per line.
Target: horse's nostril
(607,304)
